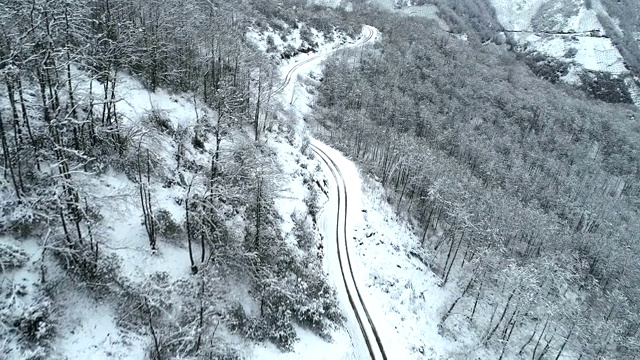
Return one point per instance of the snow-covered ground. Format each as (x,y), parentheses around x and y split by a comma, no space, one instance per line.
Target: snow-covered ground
(400,292)
(592,53)
(516,14)
(346,342)
(565,30)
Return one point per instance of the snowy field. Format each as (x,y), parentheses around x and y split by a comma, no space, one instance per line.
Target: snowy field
(558,27)
(592,53)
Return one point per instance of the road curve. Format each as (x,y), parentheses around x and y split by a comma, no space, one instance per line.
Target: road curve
(367,327)
(369,34)
(356,302)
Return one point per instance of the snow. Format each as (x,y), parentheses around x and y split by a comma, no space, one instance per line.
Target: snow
(328,3)
(90,331)
(124,233)
(585,20)
(593,53)
(574,24)
(259,39)
(292,189)
(346,343)
(428,11)
(517,14)
(85,329)
(572,76)
(310,347)
(134,101)
(401,293)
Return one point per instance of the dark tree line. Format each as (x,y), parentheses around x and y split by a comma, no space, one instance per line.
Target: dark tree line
(526,193)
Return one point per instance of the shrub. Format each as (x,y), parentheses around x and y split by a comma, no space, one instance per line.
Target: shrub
(12,256)
(35,321)
(571,53)
(31,318)
(605,87)
(88,264)
(166,226)
(546,67)
(250,327)
(311,200)
(197,142)
(303,231)
(288,52)
(315,303)
(160,120)
(274,326)
(271,44)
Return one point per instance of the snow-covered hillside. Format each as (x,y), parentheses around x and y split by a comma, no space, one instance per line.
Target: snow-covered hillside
(175,151)
(564,30)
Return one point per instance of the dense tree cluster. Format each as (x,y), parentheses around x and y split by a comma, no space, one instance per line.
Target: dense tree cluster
(530,189)
(476,18)
(61,65)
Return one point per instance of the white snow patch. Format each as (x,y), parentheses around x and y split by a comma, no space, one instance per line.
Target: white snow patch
(310,347)
(90,332)
(585,20)
(593,53)
(517,14)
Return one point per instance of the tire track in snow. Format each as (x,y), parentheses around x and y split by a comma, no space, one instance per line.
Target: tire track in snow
(345,266)
(287,79)
(367,328)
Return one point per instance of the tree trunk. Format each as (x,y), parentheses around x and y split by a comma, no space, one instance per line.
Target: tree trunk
(546,323)
(7,157)
(506,307)
(194,268)
(566,340)
(464,292)
(256,124)
(455,255)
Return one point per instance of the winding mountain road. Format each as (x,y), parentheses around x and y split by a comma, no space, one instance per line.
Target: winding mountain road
(368,33)
(357,304)
(364,335)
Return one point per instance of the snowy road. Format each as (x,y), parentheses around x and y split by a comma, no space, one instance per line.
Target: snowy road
(334,222)
(369,33)
(339,245)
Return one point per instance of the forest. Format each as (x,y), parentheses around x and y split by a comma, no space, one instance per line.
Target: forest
(62,65)
(525,194)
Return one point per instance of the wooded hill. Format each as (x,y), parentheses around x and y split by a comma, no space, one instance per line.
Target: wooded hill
(526,194)
(62,65)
